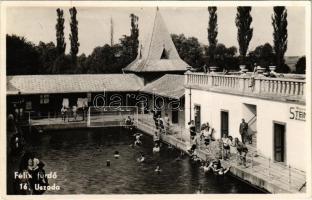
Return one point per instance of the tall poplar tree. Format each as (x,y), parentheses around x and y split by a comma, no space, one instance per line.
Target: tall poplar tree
(244,31)
(73,36)
(134,37)
(279,22)
(212,34)
(60,39)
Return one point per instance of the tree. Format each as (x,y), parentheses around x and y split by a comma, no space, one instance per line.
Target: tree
(301,65)
(21,56)
(279,22)
(244,31)
(189,50)
(48,53)
(225,57)
(60,39)
(263,55)
(104,59)
(134,36)
(212,33)
(74,44)
(63,65)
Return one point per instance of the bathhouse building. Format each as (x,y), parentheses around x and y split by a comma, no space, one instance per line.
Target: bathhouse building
(274,108)
(43,95)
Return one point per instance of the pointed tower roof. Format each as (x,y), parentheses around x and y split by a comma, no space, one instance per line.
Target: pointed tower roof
(157,53)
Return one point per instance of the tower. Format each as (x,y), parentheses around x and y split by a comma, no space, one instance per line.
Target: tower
(111,32)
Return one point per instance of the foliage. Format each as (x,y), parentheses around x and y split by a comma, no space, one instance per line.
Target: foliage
(225,57)
(301,65)
(134,36)
(63,65)
(104,59)
(279,22)
(73,36)
(48,53)
(21,56)
(212,33)
(262,55)
(60,39)
(189,49)
(244,31)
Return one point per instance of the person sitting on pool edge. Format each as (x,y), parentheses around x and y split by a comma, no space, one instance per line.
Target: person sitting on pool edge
(207,166)
(218,169)
(116,155)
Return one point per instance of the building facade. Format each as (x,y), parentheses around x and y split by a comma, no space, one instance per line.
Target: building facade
(274,109)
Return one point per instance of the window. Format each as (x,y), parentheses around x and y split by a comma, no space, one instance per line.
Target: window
(28,105)
(164,54)
(89,96)
(44,99)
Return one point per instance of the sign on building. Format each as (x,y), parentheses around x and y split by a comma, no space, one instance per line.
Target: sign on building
(297,113)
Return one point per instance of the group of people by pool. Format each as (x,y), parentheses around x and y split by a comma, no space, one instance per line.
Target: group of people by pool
(161,124)
(228,145)
(74,111)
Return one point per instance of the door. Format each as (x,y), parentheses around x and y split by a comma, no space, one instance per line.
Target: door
(197,118)
(279,142)
(175,116)
(224,123)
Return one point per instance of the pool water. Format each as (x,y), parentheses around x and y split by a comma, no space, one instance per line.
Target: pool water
(78,157)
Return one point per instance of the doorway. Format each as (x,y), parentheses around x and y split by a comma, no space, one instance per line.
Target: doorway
(224,123)
(175,116)
(279,142)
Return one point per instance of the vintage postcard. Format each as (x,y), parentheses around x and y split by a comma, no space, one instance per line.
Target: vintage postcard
(192,99)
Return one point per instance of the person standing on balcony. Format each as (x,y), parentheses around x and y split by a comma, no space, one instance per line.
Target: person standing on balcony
(243,130)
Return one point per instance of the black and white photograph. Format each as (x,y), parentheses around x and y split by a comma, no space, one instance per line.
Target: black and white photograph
(127,98)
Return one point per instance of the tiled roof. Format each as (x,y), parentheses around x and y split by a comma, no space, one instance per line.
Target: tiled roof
(47,84)
(169,85)
(150,51)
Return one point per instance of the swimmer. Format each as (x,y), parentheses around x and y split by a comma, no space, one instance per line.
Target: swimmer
(141,159)
(137,141)
(199,190)
(158,170)
(116,154)
(156,148)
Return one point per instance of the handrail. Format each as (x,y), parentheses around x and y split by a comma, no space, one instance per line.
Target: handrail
(252,119)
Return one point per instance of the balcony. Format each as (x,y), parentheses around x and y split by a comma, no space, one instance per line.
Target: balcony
(288,88)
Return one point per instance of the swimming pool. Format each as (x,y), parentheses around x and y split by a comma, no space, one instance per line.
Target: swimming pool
(78,158)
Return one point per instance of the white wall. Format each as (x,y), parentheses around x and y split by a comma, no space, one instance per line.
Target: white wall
(267,111)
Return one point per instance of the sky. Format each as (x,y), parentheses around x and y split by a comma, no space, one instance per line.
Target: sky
(38,24)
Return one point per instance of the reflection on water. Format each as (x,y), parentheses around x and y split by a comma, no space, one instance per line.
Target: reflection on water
(79,159)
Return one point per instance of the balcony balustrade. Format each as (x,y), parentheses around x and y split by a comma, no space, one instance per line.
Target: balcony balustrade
(248,85)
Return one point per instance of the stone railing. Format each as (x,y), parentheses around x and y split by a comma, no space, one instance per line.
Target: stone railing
(244,84)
